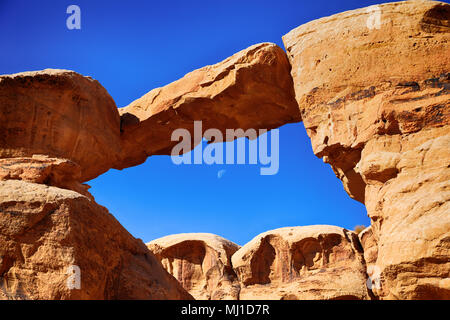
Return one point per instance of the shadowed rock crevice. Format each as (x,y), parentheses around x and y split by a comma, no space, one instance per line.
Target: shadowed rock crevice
(437,19)
(261,264)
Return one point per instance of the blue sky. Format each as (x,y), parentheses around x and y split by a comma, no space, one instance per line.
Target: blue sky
(132,47)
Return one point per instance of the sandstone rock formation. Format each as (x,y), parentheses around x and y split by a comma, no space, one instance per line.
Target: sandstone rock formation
(56,172)
(373,90)
(201,262)
(310,262)
(62,114)
(45,231)
(251,89)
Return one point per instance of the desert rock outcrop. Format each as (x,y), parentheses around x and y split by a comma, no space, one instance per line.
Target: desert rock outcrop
(48,234)
(61,114)
(373,89)
(251,89)
(310,262)
(201,262)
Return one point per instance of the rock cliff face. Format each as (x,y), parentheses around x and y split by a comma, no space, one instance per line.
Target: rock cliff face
(251,89)
(311,262)
(201,262)
(48,234)
(373,90)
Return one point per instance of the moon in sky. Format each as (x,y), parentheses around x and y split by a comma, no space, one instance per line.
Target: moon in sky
(220,173)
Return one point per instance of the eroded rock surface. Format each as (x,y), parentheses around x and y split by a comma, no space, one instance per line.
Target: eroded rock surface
(310,262)
(42,169)
(251,89)
(45,231)
(61,114)
(373,90)
(201,262)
